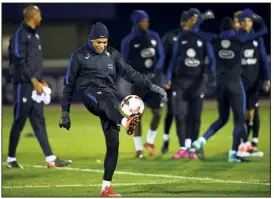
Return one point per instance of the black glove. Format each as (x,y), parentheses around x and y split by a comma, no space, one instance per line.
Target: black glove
(65,120)
(208,15)
(161,91)
(212,79)
(257,18)
(265,86)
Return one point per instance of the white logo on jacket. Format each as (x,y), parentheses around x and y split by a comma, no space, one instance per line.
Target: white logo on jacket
(153,42)
(225,43)
(199,43)
(191,61)
(88,56)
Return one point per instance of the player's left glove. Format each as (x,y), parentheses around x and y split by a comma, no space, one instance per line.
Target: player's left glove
(266,86)
(212,79)
(65,120)
(159,90)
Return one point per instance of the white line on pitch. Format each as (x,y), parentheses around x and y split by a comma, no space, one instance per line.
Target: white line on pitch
(86,185)
(205,179)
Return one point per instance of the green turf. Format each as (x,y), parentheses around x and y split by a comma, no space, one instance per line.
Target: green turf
(161,176)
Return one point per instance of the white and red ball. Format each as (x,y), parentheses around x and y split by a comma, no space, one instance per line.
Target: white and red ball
(132,105)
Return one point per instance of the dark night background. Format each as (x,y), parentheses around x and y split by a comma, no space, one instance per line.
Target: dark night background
(164,16)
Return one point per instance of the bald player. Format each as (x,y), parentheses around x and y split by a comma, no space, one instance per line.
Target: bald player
(25,69)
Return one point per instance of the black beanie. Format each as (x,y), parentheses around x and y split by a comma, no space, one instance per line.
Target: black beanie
(184,16)
(193,12)
(98,30)
(226,23)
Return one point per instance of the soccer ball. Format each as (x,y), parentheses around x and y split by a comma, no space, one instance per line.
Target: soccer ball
(132,105)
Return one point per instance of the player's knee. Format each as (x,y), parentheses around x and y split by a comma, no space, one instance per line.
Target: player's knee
(180,117)
(40,120)
(223,119)
(156,112)
(18,125)
(196,121)
(238,130)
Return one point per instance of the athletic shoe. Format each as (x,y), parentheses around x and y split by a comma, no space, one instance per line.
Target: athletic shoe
(139,154)
(181,154)
(58,163)
(14,164)
(132,123)
(151,149)
(193,155)
(165,147)
(235,158)
(108,192)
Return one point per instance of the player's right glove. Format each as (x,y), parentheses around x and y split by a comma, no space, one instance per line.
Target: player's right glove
(208,15)
(159,90)
(65,120)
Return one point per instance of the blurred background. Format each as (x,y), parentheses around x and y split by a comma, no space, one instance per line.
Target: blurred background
(65,27)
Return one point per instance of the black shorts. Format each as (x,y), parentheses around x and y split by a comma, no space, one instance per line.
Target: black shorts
(252,96)
(151,99)
(105,105)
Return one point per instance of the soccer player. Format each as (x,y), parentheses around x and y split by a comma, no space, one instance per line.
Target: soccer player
(187,64)
(25,69)
(92,70)
(230,91)
(255,68)
(169,40)
(143,49)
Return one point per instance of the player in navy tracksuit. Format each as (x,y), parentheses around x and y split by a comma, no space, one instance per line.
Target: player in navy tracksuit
(255,68)
(168,42)
(25,69)
(187,64)
(230,90)
(143,49)
(92,70)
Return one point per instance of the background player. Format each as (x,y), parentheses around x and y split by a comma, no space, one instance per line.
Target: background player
(188,87)
(230,90)
(143,49)
(255,68)
(168,41)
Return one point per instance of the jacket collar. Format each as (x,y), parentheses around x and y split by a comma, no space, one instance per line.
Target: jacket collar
(28,28)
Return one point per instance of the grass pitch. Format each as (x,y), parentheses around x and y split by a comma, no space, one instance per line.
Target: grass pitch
(159,177)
